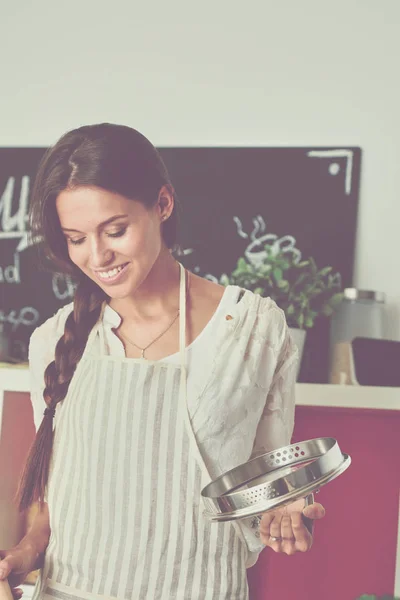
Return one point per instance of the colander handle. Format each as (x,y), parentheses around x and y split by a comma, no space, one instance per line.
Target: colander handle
(309,523)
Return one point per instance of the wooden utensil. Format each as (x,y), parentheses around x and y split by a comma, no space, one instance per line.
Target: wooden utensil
(5,591)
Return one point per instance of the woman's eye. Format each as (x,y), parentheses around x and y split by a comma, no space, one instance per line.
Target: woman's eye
(119,233)
(75,242)
(79,241)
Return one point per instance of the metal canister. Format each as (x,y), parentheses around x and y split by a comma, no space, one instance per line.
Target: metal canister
(360,314)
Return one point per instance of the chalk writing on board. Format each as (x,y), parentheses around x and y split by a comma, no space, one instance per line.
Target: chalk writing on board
(11,273)
(240,231)
(333,168)
(255,251)
(27,316)
(14,226)
(63,286)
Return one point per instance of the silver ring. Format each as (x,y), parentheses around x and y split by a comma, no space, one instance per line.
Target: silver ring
(274,539)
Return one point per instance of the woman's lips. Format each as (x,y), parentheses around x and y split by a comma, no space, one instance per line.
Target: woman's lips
(112,275)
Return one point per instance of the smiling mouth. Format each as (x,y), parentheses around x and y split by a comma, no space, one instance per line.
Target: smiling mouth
(111,273)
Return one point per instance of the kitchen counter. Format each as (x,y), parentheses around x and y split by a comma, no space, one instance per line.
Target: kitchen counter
(365,421)
(16,379)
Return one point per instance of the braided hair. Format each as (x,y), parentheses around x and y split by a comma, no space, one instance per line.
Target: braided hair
(118,159)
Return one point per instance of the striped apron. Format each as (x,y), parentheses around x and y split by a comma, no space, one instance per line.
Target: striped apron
(124,490)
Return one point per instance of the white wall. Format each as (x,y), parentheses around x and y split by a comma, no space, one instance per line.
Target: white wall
(299,72)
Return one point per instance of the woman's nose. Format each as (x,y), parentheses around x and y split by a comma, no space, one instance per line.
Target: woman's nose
(100,254)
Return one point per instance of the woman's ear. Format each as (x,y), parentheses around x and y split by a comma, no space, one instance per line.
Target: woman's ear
(165,203)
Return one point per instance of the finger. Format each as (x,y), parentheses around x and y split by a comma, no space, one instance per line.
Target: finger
(265,524)
(303,538)
(275,526)
(5,567)
(265,529)
(273,536)
(288,545)
(266,521)
(314,511)
(275,545)
(308,523)
(286,528)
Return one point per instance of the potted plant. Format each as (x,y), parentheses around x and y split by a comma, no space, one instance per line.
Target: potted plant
(303,291)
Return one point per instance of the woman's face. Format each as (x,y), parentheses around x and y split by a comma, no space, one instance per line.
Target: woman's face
(113,240)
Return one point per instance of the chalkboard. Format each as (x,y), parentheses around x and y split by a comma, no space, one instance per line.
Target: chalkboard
(232,198)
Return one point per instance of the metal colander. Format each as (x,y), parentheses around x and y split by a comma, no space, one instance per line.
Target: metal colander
(274,479)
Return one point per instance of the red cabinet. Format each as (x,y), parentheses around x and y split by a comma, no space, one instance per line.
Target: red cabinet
(354,548)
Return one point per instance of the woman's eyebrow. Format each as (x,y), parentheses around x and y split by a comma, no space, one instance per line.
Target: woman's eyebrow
(106,222)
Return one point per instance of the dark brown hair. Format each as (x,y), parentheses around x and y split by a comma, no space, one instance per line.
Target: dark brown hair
(118,159)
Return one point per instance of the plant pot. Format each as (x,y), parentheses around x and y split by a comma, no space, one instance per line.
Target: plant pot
(299,338)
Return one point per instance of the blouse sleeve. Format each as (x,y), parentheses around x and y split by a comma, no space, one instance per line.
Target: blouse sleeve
(37,368)
(40,354)
(275,427)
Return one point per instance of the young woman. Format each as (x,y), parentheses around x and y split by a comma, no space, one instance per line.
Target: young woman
(152,382)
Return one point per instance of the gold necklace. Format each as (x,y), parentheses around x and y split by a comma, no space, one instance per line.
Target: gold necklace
(151,343)
(161,334)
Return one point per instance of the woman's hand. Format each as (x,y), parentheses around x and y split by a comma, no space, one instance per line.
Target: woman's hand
(283,529)
(15,565)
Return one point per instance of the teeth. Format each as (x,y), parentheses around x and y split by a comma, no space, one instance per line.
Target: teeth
(108,274)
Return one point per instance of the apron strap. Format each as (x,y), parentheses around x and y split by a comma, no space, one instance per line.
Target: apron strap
(182,317)
(183,394)
(100,329)
(182,342)
(183,381)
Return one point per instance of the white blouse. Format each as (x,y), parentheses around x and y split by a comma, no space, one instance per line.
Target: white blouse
(240,384)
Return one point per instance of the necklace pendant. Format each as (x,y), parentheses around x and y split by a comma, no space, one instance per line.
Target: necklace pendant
(142,357)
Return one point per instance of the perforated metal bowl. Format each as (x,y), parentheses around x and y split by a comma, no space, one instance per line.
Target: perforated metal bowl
(274,479)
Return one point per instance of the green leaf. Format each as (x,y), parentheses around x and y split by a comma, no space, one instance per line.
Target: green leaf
(327,310)
(285,265)
(313,266)
(325,270)
(283,284)
(224,279)
(336,300)
(309,322)
(242,265)
(278,274)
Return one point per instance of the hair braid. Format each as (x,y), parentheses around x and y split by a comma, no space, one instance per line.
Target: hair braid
(88,301)
(114,158)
